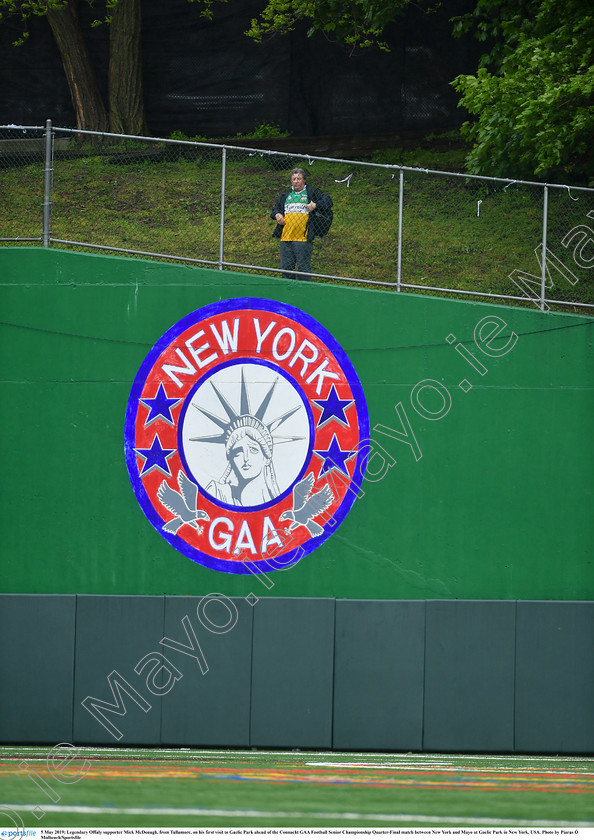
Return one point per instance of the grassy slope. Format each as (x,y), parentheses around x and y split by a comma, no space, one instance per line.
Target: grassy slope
(457,233)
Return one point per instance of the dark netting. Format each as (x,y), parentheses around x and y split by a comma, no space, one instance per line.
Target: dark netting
(207,78)
(33,84)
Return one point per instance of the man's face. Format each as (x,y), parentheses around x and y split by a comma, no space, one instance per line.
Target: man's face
(297,181)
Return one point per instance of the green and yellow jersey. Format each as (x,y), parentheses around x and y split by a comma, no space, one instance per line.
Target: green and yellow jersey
(296,216)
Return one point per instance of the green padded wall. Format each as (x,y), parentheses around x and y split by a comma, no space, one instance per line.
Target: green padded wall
(555,677)
(210,708)
(114,634)
(299,673)
(379,675)
(469,676)
(292,666)
(36,667)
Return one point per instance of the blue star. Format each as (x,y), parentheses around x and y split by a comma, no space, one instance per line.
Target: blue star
(155,458)
(160,406)
(334,458)
(331,407)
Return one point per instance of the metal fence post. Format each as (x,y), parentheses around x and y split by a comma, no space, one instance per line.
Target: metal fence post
(47,185)
(545,219)
(222,228)
(400,203)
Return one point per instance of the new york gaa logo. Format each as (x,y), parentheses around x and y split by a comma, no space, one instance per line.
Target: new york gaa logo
(246,435)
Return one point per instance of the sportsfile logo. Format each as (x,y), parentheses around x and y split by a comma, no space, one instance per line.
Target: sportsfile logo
(244,434)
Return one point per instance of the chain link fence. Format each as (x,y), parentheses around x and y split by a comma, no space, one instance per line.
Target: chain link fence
(395,227)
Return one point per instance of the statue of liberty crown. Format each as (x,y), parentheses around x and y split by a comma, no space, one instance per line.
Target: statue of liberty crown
(245,418)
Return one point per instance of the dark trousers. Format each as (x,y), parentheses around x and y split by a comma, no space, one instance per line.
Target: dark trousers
(296,254)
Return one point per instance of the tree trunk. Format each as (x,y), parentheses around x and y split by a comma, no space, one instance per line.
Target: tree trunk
(89,108)
(126,97)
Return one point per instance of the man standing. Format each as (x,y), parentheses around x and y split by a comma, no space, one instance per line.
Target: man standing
(293,212)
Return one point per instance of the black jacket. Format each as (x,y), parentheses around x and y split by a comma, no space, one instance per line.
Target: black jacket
(323,202)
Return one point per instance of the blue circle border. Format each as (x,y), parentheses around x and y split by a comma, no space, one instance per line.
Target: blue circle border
(208,311)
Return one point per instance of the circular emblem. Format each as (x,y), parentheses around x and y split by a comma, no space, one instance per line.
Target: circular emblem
(246,435)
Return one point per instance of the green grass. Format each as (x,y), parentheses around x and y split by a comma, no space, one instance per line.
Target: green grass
(183,787)
(166,199)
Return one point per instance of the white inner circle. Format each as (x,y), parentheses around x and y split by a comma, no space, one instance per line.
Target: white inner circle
(246,454)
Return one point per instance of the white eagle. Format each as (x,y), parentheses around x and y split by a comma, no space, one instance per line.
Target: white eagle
(306,505)
(182,504)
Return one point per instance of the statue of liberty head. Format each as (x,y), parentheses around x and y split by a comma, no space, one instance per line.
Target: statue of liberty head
(249,439)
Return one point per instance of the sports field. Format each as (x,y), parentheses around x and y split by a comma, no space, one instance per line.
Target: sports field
(251,788)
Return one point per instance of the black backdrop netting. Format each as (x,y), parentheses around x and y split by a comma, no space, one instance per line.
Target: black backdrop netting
(207,78)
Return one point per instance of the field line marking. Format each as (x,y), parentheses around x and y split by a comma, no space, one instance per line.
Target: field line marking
(444,768)
(320,815)
(247,751)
